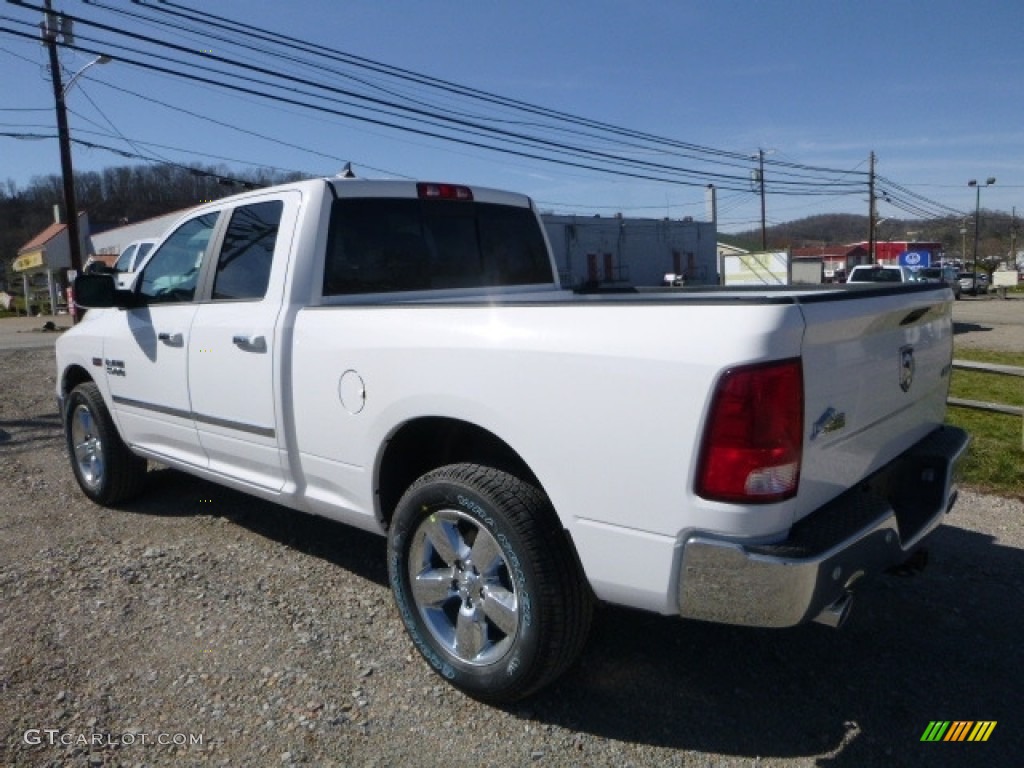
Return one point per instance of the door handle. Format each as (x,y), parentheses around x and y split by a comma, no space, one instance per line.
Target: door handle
(170,339)
(250,343)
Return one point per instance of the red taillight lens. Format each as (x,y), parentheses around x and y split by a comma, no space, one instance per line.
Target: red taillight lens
(753,440)
(431,191)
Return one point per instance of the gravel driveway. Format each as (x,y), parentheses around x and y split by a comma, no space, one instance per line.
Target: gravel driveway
(198,626)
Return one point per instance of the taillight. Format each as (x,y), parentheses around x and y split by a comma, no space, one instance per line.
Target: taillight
(753,440)
(431,191)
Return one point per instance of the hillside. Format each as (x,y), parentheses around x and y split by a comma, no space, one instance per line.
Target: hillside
(840,229)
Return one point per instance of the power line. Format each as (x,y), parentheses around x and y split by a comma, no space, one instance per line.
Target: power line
(220,177)
(908,197)
(615,154)
(447,122)
(381,122)
(799,181)
(443,85)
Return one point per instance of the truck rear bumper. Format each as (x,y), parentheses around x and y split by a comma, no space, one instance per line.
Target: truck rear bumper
(865,530)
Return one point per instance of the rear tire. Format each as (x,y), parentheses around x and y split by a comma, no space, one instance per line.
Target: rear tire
(486,582)
(106,471)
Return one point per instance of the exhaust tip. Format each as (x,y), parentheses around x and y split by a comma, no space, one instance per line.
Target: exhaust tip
(836,614)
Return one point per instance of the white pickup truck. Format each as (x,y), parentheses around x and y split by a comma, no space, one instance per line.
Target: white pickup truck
(400,357)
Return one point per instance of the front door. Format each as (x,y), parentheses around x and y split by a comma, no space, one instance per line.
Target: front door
(147,360)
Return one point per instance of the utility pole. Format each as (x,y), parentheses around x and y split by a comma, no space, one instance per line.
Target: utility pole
(872,214)
(760,177)
(963,245)
(50,31)
(1013,238)
(977,219)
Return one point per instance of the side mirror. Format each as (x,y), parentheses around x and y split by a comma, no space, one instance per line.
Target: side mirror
(100,291)
(99,268)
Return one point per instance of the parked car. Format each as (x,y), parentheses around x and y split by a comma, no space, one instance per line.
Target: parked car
(946,275)
(98,265)
(133,254)
(881,273)
(973,283)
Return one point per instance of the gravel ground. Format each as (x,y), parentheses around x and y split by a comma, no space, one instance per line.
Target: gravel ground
(988,322)
(196,614)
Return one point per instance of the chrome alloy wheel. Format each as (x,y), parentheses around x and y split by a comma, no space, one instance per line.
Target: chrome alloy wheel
(87,447)
(462,587)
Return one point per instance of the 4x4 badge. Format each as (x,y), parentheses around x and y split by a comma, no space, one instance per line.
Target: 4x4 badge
(906,368)
(830,421)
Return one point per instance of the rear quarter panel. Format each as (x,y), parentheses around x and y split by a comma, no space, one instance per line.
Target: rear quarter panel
(603,400)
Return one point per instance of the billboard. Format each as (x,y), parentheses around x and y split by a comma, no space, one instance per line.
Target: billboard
(916,259)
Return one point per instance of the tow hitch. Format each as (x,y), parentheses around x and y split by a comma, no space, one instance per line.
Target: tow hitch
(912,566)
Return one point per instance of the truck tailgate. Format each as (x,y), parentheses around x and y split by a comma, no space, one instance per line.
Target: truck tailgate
(876,378)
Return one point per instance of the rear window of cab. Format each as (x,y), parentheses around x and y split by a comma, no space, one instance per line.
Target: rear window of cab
(378,245)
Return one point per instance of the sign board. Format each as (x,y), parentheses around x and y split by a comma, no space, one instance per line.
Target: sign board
(765,268)
(28,261)
(1004,279)
(916,259)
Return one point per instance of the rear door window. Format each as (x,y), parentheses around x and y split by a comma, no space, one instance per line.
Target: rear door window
(243,268)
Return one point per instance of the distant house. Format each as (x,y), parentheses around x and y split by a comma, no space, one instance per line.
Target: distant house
(836,260)
(725,249)
(43,261)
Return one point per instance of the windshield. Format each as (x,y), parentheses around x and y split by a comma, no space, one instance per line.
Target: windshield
(132,256)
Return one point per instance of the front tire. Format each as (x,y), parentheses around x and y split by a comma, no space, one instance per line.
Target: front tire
(106,471)
(486,582)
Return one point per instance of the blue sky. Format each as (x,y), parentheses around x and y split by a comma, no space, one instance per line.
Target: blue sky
(934,88)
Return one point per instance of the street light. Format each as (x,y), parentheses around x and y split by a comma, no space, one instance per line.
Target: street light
(977,221)
(101,59)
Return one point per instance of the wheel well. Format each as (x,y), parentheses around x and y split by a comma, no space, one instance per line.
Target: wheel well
(73,376)
(425,444)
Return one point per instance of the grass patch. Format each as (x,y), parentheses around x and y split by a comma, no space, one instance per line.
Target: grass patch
(995,461)
(989,356)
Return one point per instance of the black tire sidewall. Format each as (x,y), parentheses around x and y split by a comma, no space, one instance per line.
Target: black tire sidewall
(88,395)
(514,672)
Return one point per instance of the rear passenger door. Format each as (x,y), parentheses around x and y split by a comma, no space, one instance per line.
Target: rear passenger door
(235,355)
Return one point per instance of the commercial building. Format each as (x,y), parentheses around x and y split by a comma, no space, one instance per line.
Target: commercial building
(43,261)
(838,260)
(626,251)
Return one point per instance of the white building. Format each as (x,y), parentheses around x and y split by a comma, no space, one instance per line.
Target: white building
(113,241)
(625,251)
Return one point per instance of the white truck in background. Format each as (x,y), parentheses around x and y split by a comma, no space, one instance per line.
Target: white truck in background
(881,273)
(400,357)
